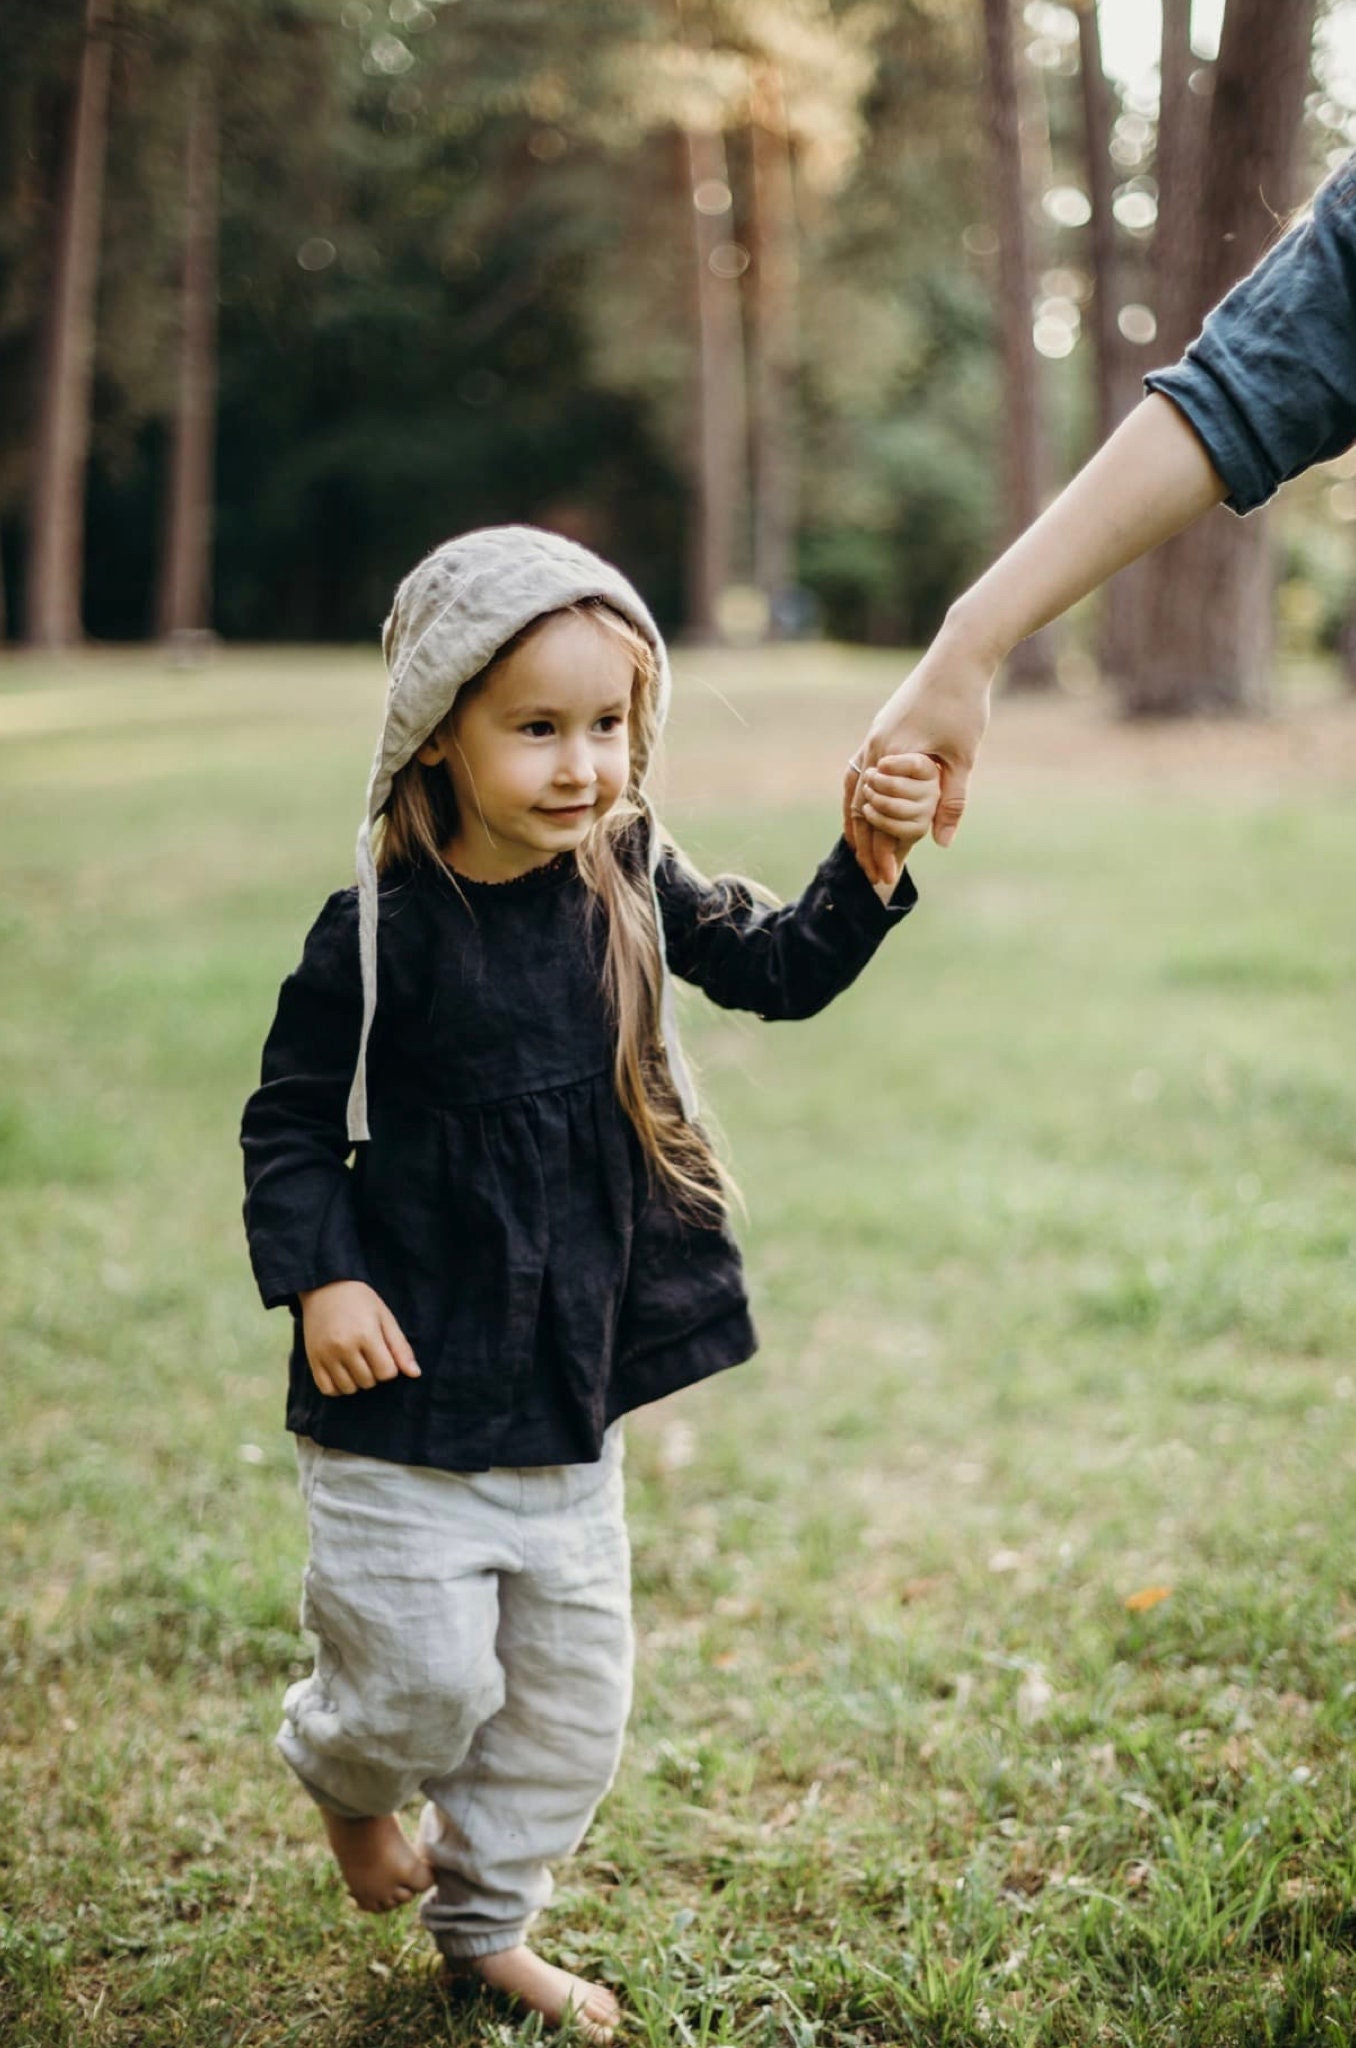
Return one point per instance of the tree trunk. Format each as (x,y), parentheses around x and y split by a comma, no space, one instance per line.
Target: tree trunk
(1175,260)
(1346,648)
(1108,351)
(1183,119)
(185,574)
(1112,373)
(1206,621)
(722,430)
(56,560)
(776,352)
(1031,664)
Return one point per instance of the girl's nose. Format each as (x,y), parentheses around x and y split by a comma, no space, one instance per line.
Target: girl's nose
(576,767)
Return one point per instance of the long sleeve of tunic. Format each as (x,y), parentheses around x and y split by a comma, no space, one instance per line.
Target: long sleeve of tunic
(300,1217)
(1269,384)
(502,1207)
(780,962)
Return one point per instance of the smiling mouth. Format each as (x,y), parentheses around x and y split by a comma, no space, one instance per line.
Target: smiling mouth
(563,810)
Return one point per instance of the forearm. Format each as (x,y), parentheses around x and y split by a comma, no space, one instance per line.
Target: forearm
(1148,481)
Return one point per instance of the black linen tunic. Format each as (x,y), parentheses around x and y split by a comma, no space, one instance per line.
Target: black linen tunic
(502,1208)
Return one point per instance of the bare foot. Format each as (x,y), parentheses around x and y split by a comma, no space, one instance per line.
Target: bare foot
(554,1993)
(380,1867)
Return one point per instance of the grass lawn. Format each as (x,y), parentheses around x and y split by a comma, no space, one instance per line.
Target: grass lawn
(996,1624)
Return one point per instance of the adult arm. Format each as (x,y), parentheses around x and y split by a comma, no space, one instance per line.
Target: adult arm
(1266,389)
(1149,480)
(778,960)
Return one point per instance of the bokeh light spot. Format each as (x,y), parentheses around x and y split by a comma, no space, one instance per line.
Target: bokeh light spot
(1067,282)
(1062,310)
(1137,324)
(1044,18)
(1054,338)
(712,196)
(1136,210)
(742,615)
(389,56)
(547,145)
(1067,206)
(728,259)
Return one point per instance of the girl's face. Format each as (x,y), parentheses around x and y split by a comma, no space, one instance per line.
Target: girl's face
(540,751)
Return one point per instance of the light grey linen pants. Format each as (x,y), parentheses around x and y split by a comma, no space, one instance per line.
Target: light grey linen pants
(473,1643)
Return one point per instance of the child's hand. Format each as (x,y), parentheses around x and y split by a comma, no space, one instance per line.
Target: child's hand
(352,1339)
(899,796)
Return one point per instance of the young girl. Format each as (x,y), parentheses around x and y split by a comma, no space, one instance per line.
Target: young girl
(532,1237)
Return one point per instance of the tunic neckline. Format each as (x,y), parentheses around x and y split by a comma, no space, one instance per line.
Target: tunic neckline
(557,869)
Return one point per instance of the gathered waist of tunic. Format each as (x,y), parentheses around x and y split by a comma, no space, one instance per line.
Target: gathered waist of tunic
(409,1102)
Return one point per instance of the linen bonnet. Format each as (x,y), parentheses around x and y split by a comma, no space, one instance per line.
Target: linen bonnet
(451,616)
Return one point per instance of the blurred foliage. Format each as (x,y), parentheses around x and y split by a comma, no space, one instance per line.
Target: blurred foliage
(456,286)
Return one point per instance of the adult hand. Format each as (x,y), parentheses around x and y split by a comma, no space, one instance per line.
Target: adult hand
(941,709)
(352,1339)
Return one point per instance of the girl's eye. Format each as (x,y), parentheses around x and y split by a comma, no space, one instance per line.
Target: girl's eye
(539,728)
(611,722)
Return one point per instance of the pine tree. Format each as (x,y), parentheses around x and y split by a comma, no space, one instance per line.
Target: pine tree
(55,570)
(1031,665)
(185,572)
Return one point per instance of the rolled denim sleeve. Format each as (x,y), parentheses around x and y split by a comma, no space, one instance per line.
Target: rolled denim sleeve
(1269,384)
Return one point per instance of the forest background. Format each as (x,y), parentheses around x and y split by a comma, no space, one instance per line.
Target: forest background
(795,306)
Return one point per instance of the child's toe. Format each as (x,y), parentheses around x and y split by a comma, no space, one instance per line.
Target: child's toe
(599,2014)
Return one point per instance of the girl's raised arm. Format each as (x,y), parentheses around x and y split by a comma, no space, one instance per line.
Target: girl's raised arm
(780,961)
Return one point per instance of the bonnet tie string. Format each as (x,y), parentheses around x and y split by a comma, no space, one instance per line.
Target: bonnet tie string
(367,953)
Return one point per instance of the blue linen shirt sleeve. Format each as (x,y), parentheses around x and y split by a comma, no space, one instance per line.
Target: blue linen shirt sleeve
(1269,384)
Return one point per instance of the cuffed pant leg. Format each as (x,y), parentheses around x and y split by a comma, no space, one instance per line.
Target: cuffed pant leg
(401,1593)
(535,1772)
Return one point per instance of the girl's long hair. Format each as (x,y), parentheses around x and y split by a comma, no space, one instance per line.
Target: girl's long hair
(420,818)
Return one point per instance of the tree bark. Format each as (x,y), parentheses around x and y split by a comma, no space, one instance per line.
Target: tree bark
(185,573)
(1175,260)
(1031,665)
(1183,120)
(1206,640)
(1346,649)
(722,422)
(1106,336)
(1113,381)
(56,561)
(776,351)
